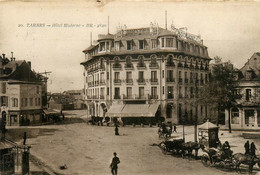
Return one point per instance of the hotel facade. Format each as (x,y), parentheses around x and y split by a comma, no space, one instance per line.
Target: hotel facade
(146,72)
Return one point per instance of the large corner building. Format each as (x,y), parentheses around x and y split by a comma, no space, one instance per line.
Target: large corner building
(146,72)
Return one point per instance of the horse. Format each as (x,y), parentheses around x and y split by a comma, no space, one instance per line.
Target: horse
(189,147)
(245,159)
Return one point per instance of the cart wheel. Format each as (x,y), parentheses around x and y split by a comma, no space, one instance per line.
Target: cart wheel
(205,160)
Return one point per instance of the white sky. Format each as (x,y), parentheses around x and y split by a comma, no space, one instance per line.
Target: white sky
(230,30)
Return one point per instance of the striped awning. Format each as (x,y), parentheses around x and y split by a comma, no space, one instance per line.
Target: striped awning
(133,110)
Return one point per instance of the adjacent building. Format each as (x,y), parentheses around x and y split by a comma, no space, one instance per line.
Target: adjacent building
(22,92)
(246,115)
(146,72)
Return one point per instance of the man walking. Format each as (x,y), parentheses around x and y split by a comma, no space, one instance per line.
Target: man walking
(174,128)
(246,147)
(114,163)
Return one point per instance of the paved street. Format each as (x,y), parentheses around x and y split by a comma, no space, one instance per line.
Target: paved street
(87,149)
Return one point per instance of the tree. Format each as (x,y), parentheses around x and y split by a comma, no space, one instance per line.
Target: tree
(219,92)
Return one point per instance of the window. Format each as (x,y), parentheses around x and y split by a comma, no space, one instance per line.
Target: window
(117,45)
(163,42)
(129,92)
(235,116)
(185,92)
(129,77)
(153,61)
(141,62)
(108,75)
(180,92)
(39,101)
(191,92)
(128,62)
(153,76)
(163,90)
(25,102)
(141,92)
(117,75)
(169,42)
(249,117)
(154,43)
(129,45)
(154,92)
(141,76)
(117,93)
(31,101)
(36,102)
(14,102)
(170,76)
(248,94)
(141,44)
(107,91)
(163,73)
(102,46)
(107,46)
(170,92)
(3,88)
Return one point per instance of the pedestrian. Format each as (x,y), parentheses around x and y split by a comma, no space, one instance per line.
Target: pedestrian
(174,128)
(246,147)
(114,163)
(116,131)
(252,149)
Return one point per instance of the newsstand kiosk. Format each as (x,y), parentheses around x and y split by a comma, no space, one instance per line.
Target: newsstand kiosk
(208,134)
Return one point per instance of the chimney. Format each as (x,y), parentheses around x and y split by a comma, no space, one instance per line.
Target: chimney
(29,63)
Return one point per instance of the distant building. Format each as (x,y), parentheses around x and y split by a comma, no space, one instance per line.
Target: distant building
(152,67)
(22,92)
(68,100)
(246,115)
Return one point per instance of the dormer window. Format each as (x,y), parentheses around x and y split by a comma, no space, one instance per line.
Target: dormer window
(249,75)
(141,44)
(129,45)
(117,45)
(167,42)
(154,43)
(102,46)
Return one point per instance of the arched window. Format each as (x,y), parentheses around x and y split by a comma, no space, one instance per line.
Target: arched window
(141,61)
(235,116)
(153,61)
(116,63)
(128,62)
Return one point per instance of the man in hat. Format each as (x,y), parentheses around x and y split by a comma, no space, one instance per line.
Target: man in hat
(114,163)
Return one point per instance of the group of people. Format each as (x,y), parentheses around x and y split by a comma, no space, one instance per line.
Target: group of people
(250,149)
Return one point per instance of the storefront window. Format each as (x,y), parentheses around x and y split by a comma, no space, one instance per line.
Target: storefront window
(249,117)
(235,116)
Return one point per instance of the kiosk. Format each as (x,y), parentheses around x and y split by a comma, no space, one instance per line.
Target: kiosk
(208,134)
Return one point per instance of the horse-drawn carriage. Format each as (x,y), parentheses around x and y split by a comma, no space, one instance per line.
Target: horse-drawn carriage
(165,131)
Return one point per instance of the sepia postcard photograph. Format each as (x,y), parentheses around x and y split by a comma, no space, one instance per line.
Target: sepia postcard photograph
(131,87)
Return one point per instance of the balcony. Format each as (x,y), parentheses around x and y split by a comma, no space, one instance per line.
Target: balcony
(141,81)
(186,65)
(153,65)
(117,81)
(141,66)
(95,97)
(127,97)
(180,65)
(102,82)
(170,96)
(102,97)
(117,66)
(102,67)
(170,64)
(180,80)
(201,82)
(89,97)
(140,97)
(153,96)
(117,97)
(129,66)
(186,80)
(96,82)
(154,81)
(196,67)
(191,81)
(129,81)
(180,96)
(170,80)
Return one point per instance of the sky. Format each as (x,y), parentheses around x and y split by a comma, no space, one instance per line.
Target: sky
(230,30)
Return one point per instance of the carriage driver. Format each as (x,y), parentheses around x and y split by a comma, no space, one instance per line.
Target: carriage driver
(226,149)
